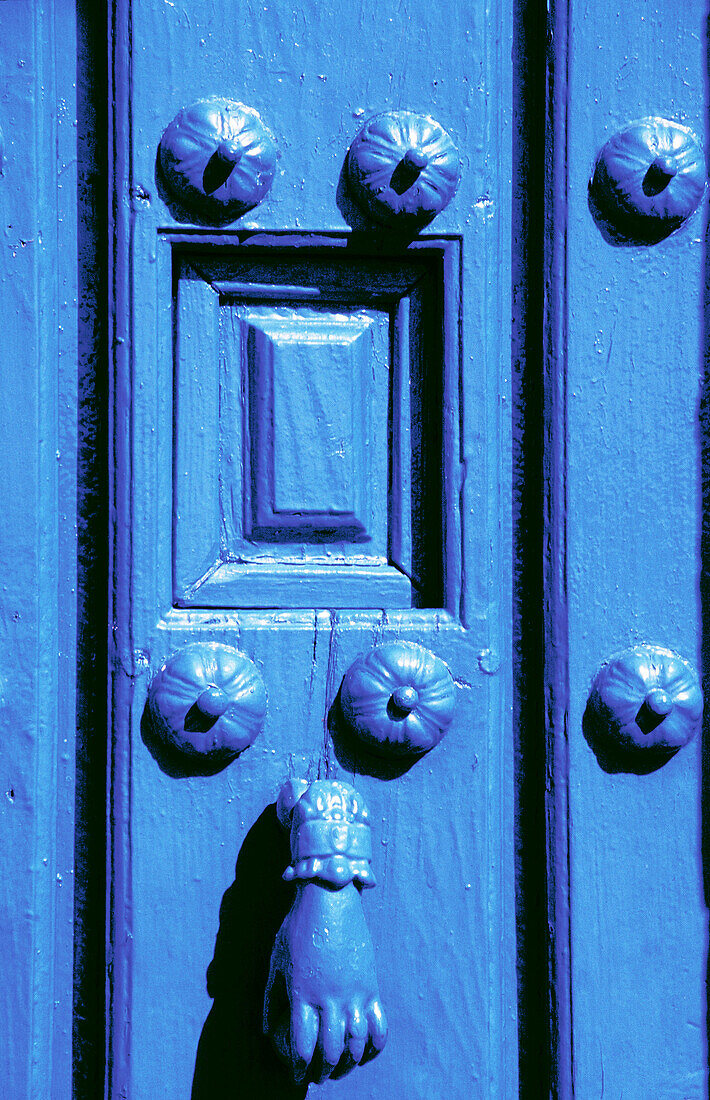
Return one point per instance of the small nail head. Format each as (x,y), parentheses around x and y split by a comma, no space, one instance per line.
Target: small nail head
(659,701)
(213,701)
(416,159)
(230,151)
(405,699)
(664,167)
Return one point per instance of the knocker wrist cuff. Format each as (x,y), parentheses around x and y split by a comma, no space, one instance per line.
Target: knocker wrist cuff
(337,852)
(329,833)
(334,870)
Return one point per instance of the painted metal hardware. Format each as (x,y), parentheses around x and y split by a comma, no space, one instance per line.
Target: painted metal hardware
(647,699)
(399,699)
(218,158)
(648,179)
(403,168)
(322,1006)
(207,702)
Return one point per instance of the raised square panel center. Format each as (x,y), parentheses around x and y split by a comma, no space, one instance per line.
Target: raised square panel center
(318,459)
(313,419)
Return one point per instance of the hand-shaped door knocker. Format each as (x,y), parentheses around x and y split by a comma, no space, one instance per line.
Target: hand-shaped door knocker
(322,1006)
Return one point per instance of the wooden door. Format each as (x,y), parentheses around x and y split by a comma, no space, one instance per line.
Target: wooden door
(310,434)
(310,464)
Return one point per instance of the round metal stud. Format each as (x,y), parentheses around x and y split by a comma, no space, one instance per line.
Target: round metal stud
(207,703)
(398,699)
(218,158)
(646,699)
(403,168)
(648,179)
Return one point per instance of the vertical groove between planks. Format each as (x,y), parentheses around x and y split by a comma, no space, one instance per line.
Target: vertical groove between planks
(555,551)
(121,650)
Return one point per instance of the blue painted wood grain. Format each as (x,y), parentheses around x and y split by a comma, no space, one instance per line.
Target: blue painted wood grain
(626,369)
(292,403)
(191,933)
(38,379)
(443,922)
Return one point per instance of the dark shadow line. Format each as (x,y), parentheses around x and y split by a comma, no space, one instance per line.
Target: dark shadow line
(535,1034)
(89,1029)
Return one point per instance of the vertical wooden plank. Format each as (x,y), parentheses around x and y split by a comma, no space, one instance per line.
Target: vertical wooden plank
(634,370)
(37,544)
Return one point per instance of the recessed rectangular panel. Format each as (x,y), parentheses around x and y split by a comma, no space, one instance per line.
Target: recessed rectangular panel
(308,463)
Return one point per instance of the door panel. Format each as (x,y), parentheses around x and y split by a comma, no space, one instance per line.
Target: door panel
(312,457)
(311,467)
(311,441)
(633,354)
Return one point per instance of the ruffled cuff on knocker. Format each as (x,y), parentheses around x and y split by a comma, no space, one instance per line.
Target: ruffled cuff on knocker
(332,852)
(336,870)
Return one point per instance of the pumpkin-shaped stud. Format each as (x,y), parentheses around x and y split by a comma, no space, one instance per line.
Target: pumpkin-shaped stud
(403,168)
(647,699)
(648,179)
(218,158)
(398,699)
(208,703)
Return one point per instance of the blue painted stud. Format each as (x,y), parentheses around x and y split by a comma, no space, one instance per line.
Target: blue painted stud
(207,704)
(398,699)
(403,168)
(218,158)
(645,702)
(648,179)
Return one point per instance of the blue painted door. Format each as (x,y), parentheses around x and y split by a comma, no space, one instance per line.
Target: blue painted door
(320,436)
(314,444)
(310,465)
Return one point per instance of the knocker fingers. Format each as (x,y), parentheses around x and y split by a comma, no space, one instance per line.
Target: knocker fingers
(304,1038)
(331,1040)
(332,1037)
(377,1029)
(357,1034)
